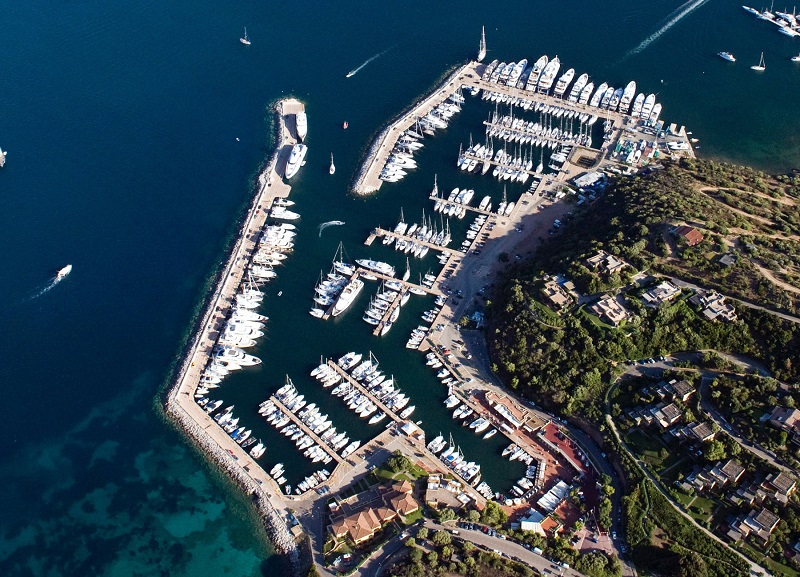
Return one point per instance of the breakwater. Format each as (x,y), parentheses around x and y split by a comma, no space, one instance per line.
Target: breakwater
(180,406)
(366,179)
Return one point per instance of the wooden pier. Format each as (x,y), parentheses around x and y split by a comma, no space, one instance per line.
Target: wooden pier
(405,283)
(434,198)
(296,420)
(392,306)
(350,380)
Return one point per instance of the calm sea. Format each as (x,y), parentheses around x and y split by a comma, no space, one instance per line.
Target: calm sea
(135,132)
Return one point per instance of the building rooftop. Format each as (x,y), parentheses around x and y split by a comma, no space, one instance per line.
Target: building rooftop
(663,292)
(609,308)
(690,234)
(702,431)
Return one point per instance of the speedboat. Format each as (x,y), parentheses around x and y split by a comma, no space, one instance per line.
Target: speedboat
(796,58)
(63,272)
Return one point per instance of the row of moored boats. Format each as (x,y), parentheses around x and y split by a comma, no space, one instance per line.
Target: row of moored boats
(401,159)
(541,76)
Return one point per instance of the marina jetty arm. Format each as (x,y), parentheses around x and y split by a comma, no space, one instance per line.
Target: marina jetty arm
(181,407)
(366,181)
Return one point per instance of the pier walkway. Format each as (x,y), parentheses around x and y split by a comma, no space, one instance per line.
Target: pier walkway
(350,380)
(379,233)
(405,283)
(296,420)
(469,207)
(387,315)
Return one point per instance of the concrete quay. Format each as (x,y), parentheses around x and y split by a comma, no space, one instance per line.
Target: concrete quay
(207,435)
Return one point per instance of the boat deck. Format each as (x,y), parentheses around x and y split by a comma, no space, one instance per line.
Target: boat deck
(395,303)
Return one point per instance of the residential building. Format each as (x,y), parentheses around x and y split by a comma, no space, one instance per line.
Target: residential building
(785,418)
(713,306)
(506,409)
(702,432)
(761,523)
(780,486)
(611,310)
(605,262)
(663,292)
(691,235)
(556,295)
(666,415)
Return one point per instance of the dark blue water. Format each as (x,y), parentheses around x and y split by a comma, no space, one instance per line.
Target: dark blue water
(121,121)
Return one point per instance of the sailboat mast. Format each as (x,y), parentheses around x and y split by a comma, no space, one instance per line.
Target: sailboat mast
(482,46)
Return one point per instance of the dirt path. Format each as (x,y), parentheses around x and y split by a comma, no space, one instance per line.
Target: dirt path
(743,213)
(785,200)
(767,274)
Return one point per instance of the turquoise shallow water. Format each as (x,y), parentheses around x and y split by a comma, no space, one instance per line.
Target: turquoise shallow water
(122,119)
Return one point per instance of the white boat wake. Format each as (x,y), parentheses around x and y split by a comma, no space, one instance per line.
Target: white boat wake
(378,55)
(61,275)
(672,19)
(325,225)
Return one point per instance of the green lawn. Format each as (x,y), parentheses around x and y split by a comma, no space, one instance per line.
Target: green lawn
(413,517)
(649,449)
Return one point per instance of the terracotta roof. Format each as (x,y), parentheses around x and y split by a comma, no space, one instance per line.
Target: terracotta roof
(403,503)
(691,234)
(403,487)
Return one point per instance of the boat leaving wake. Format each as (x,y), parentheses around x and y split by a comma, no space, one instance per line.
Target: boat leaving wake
(378,55)
(672,19)
(60,275)
(325,225)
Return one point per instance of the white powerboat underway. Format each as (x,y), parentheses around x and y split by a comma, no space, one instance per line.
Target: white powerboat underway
(296,159)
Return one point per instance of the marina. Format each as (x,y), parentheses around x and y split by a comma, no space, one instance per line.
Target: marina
(621,114)
(304,417)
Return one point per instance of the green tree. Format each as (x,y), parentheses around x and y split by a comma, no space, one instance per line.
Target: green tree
(446,514)
(692,565)
(467,548)
(398,462)
(715,450)
(422,533)
(473,516)
(312,571)
(441,538)
(411,542)
(415,555)
(493,514)
(433,558)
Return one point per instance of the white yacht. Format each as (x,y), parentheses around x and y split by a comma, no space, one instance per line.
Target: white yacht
(332,169)
(301,121)
(627,97)
(549,75)
(347,297)
(377,266)
(296,159)
(761,66)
